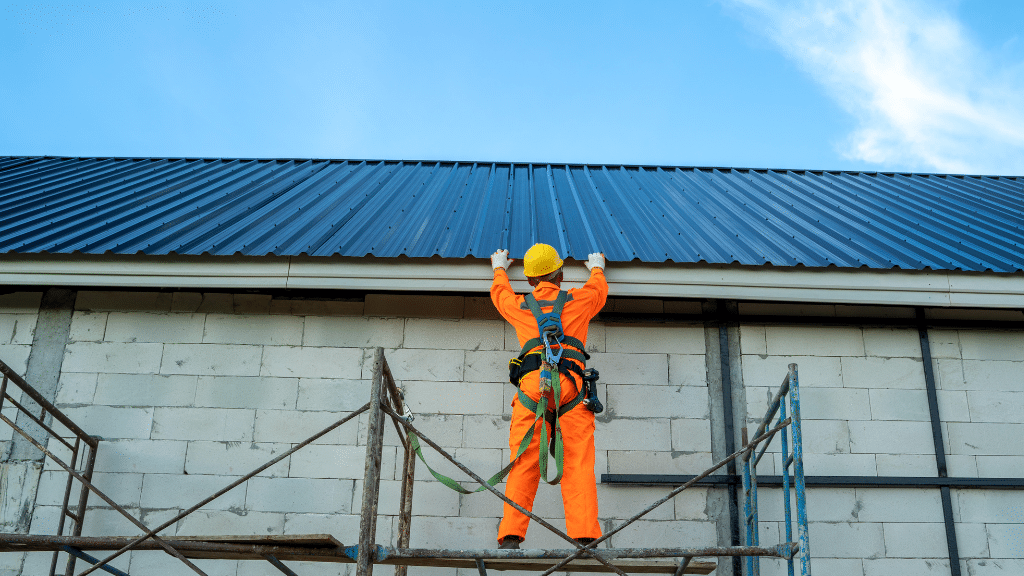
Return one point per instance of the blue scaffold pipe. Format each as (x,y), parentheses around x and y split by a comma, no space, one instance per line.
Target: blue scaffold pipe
(785,487)
(798,473)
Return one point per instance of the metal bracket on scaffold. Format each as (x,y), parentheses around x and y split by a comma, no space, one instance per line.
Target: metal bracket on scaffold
(791,436)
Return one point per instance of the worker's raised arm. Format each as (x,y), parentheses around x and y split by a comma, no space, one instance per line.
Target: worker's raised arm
(595,291)
(502,294)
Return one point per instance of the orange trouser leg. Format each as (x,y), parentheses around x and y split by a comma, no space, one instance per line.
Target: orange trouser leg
(579,490)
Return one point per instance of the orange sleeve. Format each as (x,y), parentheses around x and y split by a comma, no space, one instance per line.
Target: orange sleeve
(502,296)
(594,293)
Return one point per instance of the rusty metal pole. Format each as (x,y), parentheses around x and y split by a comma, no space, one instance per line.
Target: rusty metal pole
(371,474)
(83,500)
(405,508)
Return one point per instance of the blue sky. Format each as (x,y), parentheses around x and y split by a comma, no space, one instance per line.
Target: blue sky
(906,85)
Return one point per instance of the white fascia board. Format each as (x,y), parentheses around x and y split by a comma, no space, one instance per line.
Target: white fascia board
(830,285)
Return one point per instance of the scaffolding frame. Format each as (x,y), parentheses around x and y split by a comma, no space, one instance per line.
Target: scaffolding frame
(386,401)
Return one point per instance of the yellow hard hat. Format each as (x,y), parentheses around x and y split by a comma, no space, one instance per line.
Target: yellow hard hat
(541,259)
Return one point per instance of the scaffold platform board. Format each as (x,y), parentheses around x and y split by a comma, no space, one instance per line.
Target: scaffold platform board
(326,548)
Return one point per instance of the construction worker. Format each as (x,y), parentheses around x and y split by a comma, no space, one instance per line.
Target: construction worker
(543,268)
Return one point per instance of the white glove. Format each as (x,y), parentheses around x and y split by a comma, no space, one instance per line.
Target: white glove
(595,260)
(501,260)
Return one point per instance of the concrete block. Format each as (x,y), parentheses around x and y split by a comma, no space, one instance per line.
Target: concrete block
(826,436)
(76,388)
(109,422)
(892,343)
(907,567)
(996,406)
(635,305)
(691,435)
(45,520)
(217,303)
(109,522)
(225,425)
(233,458)
(320,461)
(838,464)
(487,366)
(596,338)
(21,302)
(480,308)
(175,328)
(889,404)
(112,358)
(484,462)
(19,483)
(145,390)
(99,301)
(152,456)
(972,540)
(847,540)
(294,427)
(915,540)
(429,498)
(899,505)
(654,339)
(991,375)
(125,489)
(962,465)
(687,370)
(650,369)
(310,362)
(631,401)
(985,439)
(424,365)
(247,392)
(454,334)
(186,301)
(621,502)
(888,437)
(949,374)
(440,532)
(332,395)
(953,406)
(299,495)
(338,307)
(159,562)
(414,306)
(232,522)
(1005,540)
(251,303)
(454,397)
(345,527)
(445,429)
(17,328)
(905,465)
(753,339)
(485,431)
(1000,567)
(653,534)
(353,332)
(834,403)
(992,345)
(634,434)
(1000,466)
(902,373)
(16,356)
(823,505)
(184,490)
(814,341)
(814,372)
(211,359)
(944,343)
(991,506)
(274,330)
(649,462)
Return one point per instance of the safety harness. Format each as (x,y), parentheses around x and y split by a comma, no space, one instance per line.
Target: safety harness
(551,352)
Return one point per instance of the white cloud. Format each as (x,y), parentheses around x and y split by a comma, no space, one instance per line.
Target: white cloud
(925,97)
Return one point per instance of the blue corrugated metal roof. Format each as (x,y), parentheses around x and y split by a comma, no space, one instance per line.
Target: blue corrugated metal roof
(456,209)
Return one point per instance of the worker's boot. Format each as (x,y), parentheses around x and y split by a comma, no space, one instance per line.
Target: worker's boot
(510,543)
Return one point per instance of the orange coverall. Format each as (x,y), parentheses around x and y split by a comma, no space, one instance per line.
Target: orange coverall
(579,486)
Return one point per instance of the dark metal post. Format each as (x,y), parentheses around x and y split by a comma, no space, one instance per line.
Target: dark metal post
(83,500)
(940,451)
(64,505)
(730,439)
(371,475)
(405,509)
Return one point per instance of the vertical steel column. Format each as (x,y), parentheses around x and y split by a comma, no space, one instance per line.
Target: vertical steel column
(371,475)
(798,472)
(940,451)
(730,435)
